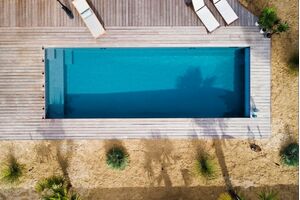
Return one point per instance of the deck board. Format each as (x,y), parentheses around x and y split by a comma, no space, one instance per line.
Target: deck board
(46,13)
(22,80)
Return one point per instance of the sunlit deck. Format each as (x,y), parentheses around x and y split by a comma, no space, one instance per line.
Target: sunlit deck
(33,13)
(27,27)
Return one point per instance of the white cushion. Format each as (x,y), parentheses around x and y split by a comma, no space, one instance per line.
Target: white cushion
(81,5)
(94,26)
(89,17)
(197,4)
(208,19)
(226,11)
(87,13)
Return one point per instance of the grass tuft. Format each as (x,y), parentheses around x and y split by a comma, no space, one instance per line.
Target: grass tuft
(51,183)
(268,195)
(11,171)
(290,155)
(75,196)
(55,188)
(205,166)
(117,158)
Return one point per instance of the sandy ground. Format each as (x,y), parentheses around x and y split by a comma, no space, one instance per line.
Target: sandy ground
(164,169)
(158,169)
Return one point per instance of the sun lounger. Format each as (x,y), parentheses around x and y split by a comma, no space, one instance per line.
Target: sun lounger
(225,11)
(89,17)
(205,15)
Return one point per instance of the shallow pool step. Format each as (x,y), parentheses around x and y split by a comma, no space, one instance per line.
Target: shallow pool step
(55,94)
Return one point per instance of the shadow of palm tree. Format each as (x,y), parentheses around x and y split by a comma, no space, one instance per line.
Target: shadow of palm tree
(158,152)
(187,177)
(64,152)
(222,163)
(213,100)
(63,149)
(218,142)
(192,79)
(43,152)
(215,126)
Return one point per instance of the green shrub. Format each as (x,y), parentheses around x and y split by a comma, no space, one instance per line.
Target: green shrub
(205,166)
(50,183)
(269,21)
(268,195)
(52,188)
(290,154)
(116,158)
(268,18)
(12,170)
(55,188)
(282,27)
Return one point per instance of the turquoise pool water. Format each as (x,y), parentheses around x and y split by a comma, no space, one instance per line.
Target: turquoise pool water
(147,82)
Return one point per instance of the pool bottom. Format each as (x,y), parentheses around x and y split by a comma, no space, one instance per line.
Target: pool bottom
(158,83)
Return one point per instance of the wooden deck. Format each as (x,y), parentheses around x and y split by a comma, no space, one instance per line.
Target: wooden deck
(22,80)
(47,13)
(28,25)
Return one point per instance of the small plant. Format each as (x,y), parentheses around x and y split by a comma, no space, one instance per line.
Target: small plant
(52,188)
(290,155)
(205,166)
(75,196)
(49,183)
(116,158)
(268,18)
(12,170)
(282,27)
(55,188)
(268,195)
(279,28)
(270,23)
(225,196)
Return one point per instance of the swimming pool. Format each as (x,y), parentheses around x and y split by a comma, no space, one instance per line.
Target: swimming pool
(147,82)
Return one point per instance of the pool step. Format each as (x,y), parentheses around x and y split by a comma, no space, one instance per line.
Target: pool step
(55,93)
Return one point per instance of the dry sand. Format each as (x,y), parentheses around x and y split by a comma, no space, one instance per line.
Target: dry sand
(164,169)
(158,169)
